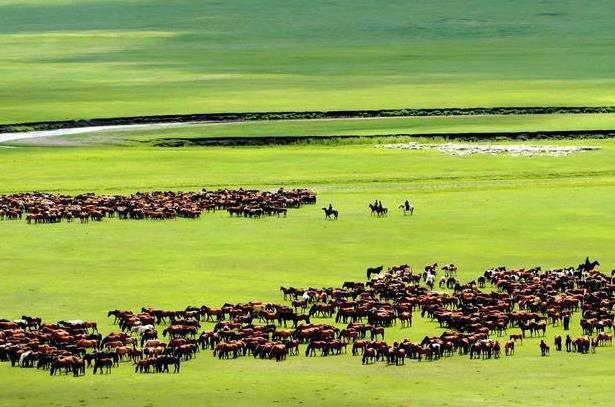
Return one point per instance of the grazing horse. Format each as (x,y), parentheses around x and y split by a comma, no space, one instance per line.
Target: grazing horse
(374,270)
(604,339)
(330,213)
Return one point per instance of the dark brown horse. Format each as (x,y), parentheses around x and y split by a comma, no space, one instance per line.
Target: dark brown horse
(330,213)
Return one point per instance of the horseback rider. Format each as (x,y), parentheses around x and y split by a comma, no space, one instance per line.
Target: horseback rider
(407,205)
(380,205)
(330,207)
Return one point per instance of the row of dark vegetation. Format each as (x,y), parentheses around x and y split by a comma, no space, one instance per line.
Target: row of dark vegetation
(305,115)
(381,138)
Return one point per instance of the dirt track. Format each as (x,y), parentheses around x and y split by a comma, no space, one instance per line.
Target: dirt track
(4,137)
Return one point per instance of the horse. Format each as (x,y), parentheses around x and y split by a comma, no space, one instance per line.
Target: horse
(378,210)
(557,341)
(374,270)
(509,348)
(544,348)
(516,337)
(407,209)
(588,266)
(101,363)
(449,270)
(430,268)
(430,281)
(568,343)
(369,355)
(330,212)
(314,345)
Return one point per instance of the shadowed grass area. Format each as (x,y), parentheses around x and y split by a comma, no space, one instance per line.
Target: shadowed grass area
(475,211)
(100,58)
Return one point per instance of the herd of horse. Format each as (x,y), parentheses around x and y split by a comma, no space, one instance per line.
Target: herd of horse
(475,322)
(53,208)
(43,208)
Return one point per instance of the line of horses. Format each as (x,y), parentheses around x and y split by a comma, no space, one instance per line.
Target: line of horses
(376,208)
(159,341)
(53,208)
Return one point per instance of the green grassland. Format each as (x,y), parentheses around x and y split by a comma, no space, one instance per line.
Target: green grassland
(475,211)
(66,59)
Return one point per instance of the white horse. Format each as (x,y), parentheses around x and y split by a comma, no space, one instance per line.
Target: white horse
(23,357)
(450,270)
(407,210)
(21,322)
(430,280)
(141,329)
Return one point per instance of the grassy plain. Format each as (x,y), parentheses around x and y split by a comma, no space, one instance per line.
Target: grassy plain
(67,59)
(475,211)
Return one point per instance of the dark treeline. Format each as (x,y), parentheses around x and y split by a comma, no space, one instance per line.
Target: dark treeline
(350,139)
(336,114)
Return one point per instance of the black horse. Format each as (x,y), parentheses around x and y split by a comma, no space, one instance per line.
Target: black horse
(329,212)
(378,210)
(373,270)
(588,265)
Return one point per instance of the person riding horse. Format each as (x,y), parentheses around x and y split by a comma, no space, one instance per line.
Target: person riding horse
(588,266)
(330,212)
(407,207)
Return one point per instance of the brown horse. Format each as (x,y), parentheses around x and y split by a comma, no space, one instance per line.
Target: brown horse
(516,337)
(509,348)
(100,364)
(369,356)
